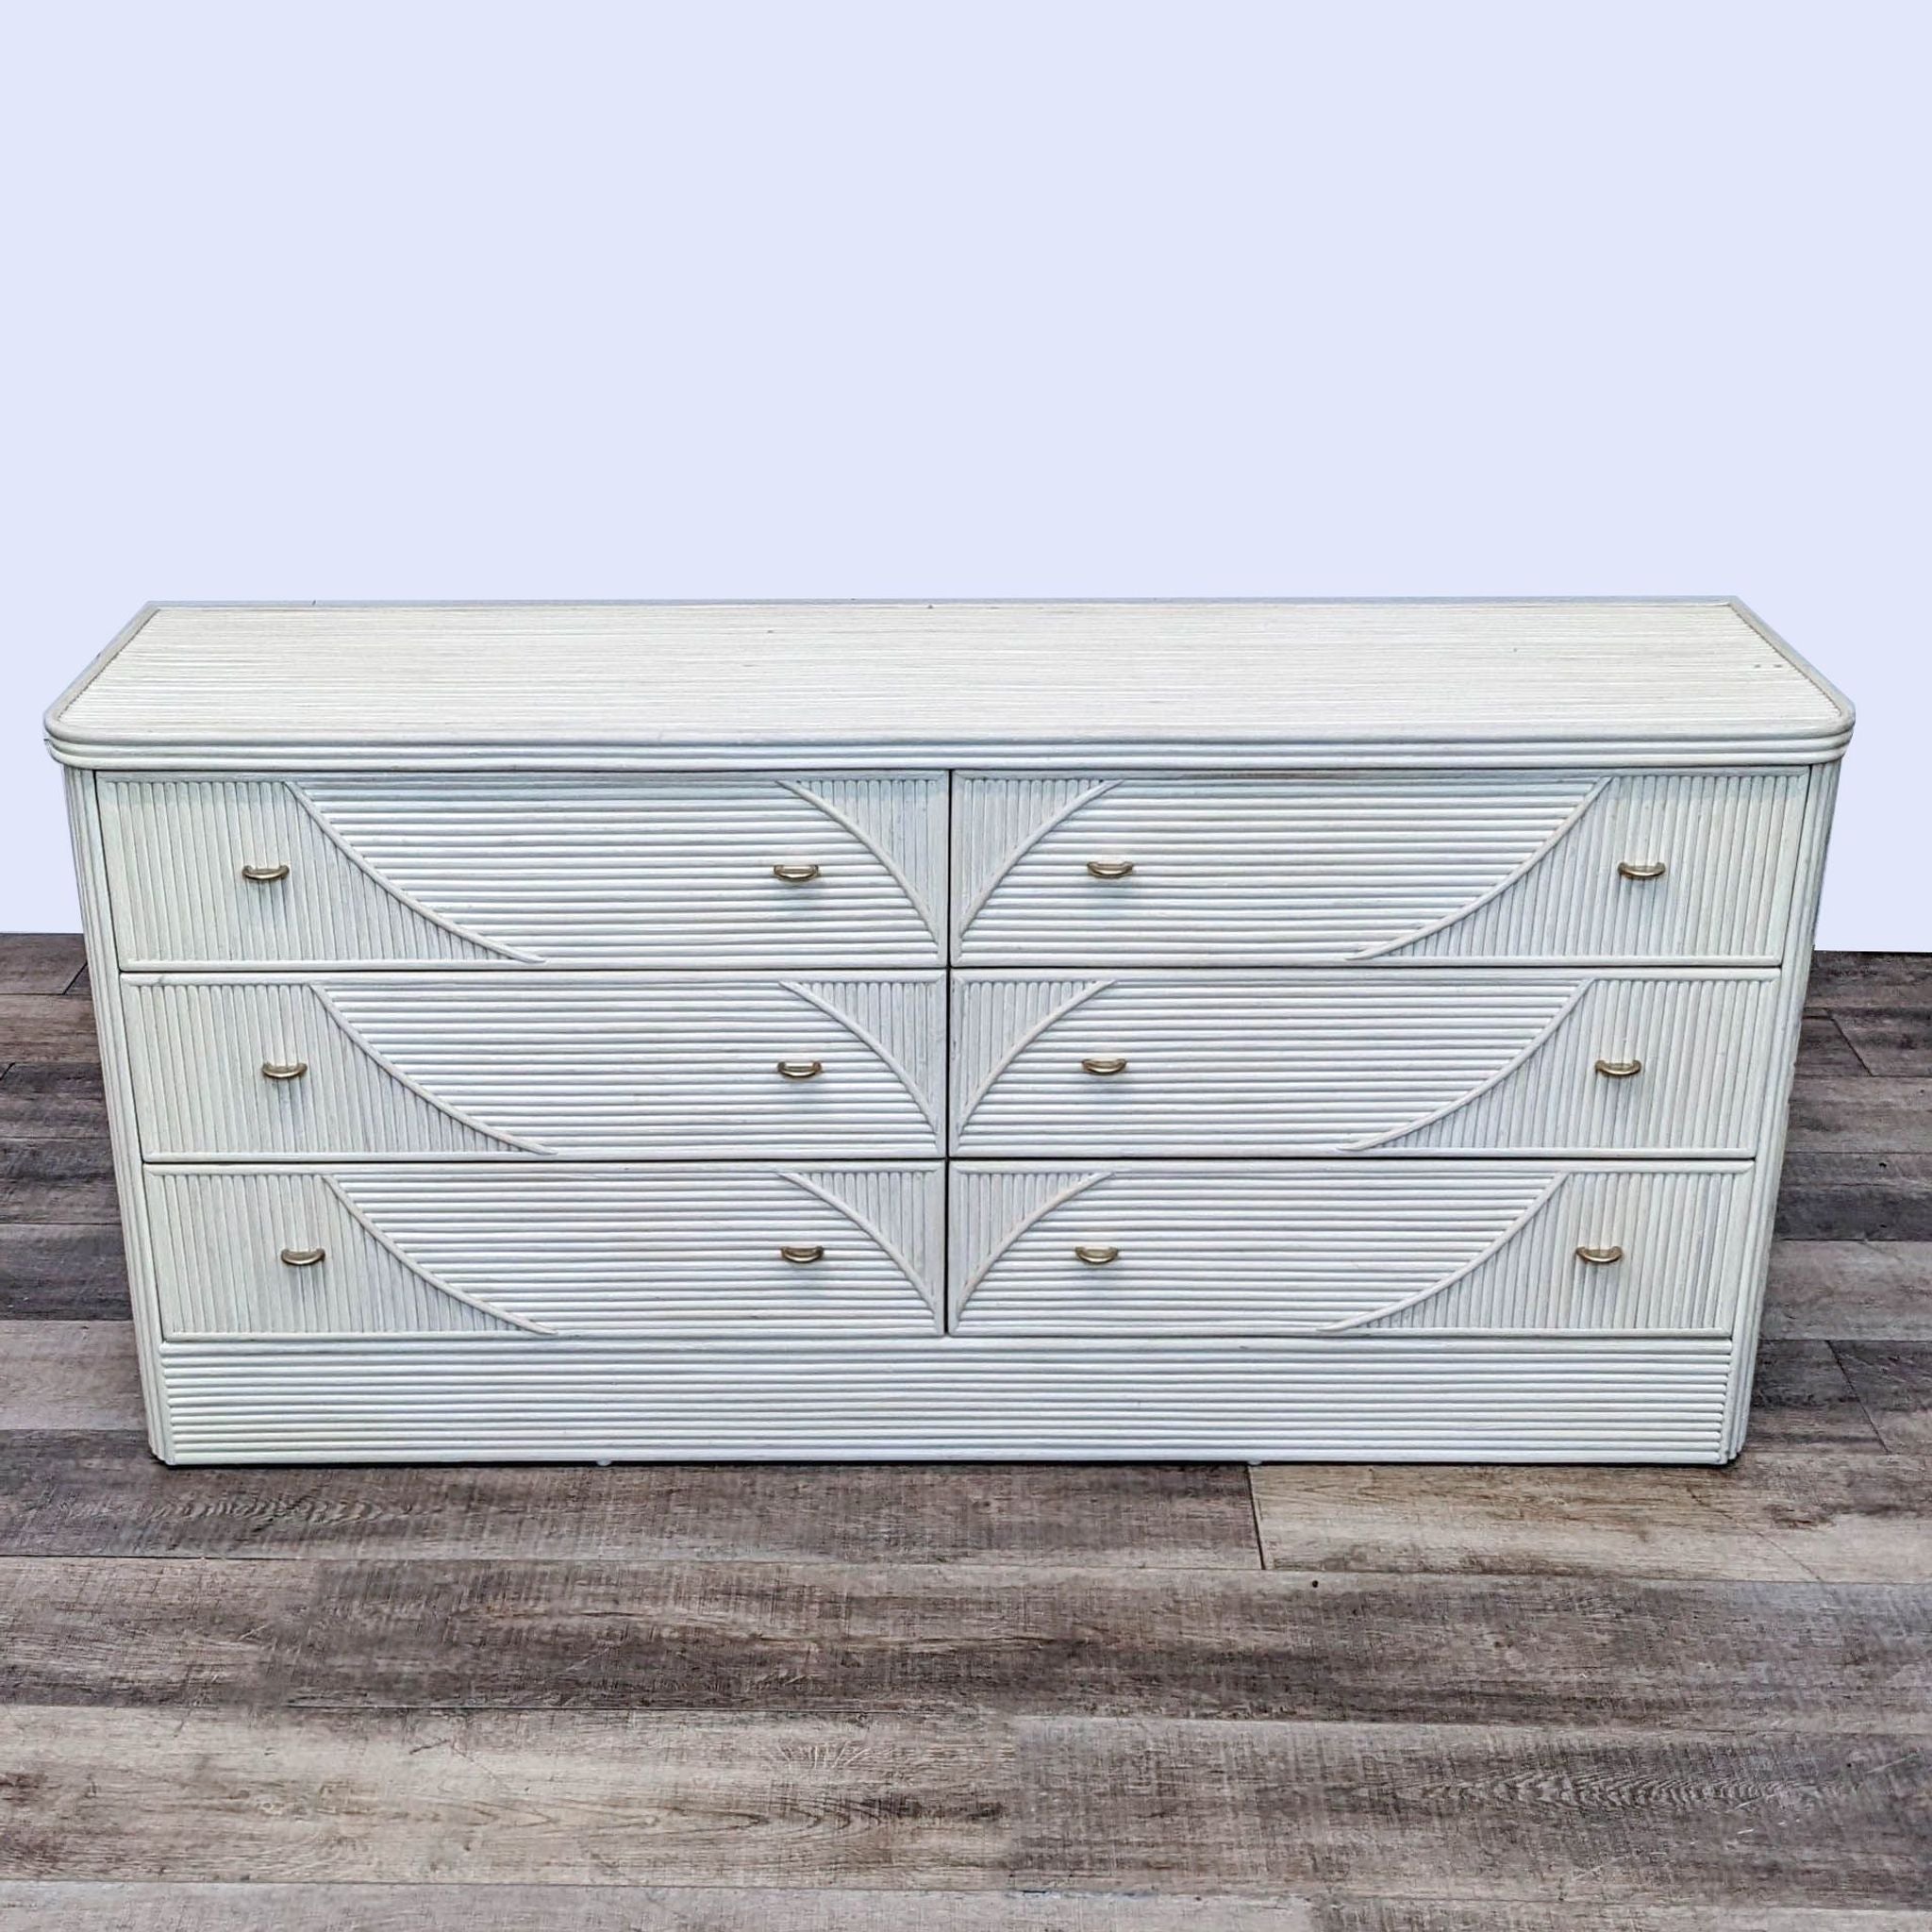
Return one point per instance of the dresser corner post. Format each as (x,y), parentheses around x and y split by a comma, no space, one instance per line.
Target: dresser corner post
(97,926)
(1814,835)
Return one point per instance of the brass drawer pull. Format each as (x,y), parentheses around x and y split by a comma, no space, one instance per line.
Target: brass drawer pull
(801,1070)
(1599,1257)
(1625,869)
(283,1069)
(794,875)
(1619,1070)
(1110,868)
(302,1257)
(264,875)
(1095,1258)
(803,1253)
(1104,1064)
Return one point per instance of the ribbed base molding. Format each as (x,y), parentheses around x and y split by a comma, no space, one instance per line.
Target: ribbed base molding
(1382,1399)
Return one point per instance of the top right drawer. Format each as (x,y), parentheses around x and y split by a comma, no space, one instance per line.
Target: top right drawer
(1495,867)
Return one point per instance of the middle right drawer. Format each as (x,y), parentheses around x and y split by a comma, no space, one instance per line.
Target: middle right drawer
(1391,1061)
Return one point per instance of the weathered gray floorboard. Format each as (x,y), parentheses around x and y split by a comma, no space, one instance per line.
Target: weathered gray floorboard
(30,1908)
(1894,1381)
(41,1203)
(42,1907)
(1851,1290)
(68,1375)
(1894,1042)
(806,1641)
(55,1159)
(1164,1805)
(38,962)
(69,1179)
(1593,1817)
(1496,1915)
(1870,1197)
(1880,1004)
(46,1099)
(180,1635)
(73,1272)
(1850,981)
(579,1798)
(1829,1515)
(46,1026)
(1861,1116)
(1824,1051)
(87,1494)
(1800,1395)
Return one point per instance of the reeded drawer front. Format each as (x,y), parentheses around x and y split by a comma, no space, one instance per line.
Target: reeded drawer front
(609,1065)
(1329,1248)
(1407,1398)
(506,871)
(1402,1061)
(1490,866)
(562,1250)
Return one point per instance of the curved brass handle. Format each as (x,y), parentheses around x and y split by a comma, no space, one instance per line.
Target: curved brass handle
(803,1253)
(1110,868)
(794,875)
(302,1257)
(1095,1258)
(1619,1070)
(801,1070)
(283,1069)
(264,875)
(1629,869)
(1599,1257)
(1104,1064)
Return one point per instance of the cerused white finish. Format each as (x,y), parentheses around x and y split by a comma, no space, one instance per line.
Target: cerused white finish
(1505,866)
(644,870)
(1339,1063)
(768,687)
(567,1250)
(528,1029)
(1310,1248)
(608,1064)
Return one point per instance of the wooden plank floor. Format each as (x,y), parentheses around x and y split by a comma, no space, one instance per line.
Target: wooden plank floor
(1108,1699)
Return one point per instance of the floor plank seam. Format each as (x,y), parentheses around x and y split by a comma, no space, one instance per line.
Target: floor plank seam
(1255,1515)
(1858,1396)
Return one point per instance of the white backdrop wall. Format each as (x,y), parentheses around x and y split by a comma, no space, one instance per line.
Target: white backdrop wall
(415,300)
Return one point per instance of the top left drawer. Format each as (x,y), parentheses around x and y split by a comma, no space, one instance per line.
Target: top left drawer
(527,871)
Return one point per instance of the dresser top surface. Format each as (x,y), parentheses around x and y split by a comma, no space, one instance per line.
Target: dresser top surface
(1187,683)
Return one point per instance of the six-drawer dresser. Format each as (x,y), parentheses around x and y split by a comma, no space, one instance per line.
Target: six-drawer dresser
(829,1030)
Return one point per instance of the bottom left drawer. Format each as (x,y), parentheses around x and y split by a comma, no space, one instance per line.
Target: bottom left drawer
(684,1249)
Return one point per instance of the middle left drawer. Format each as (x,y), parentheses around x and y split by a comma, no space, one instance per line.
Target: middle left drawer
(587,1065)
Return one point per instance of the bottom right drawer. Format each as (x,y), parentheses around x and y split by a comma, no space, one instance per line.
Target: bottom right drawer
(1320,1247)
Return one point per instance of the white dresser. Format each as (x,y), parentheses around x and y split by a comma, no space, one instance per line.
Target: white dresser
(1230,1030)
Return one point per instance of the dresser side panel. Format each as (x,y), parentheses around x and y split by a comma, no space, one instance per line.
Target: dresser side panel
(96,911)
(1813,837)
